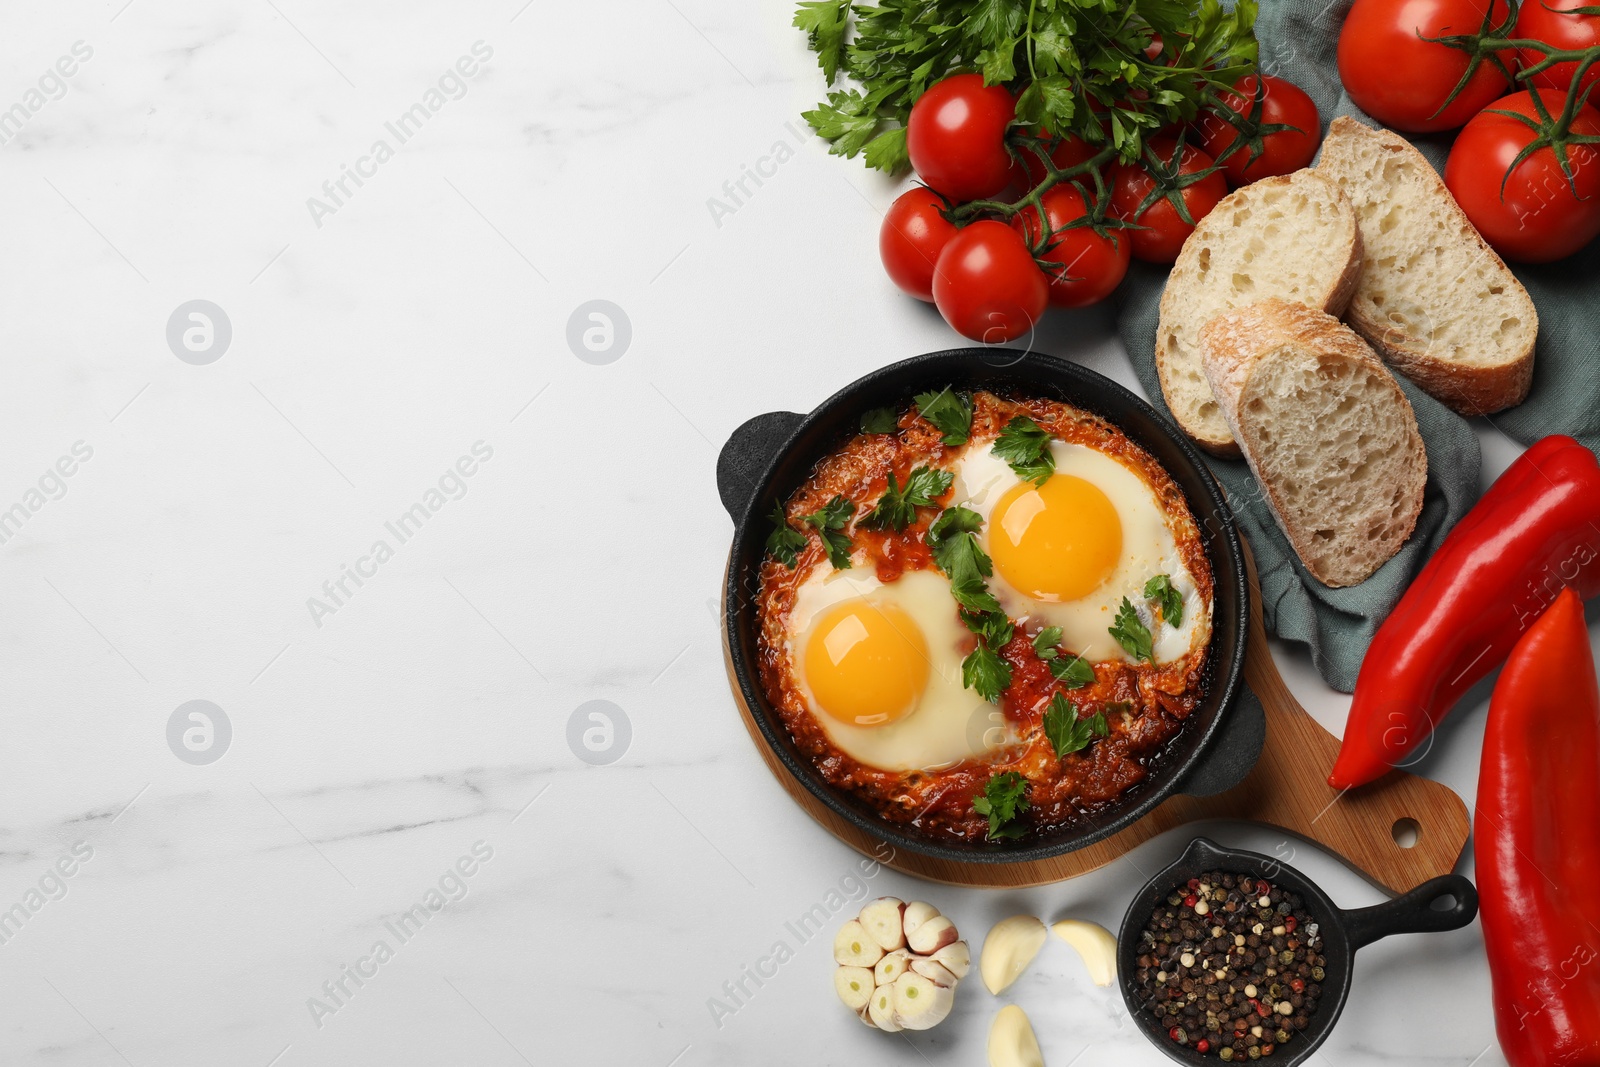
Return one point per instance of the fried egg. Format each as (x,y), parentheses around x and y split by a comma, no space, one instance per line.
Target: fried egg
(1067,552)
(879,666)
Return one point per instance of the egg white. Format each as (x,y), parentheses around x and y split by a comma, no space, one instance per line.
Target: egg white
(950,723)
(1148,549)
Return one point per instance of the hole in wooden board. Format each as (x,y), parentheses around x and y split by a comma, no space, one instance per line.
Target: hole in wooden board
(1407,832)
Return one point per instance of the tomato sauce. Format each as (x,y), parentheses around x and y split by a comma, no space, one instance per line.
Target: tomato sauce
(1146,705)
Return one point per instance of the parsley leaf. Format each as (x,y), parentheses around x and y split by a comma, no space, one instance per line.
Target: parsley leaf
(1067,731)
(897,508)
(993,627)
(1026,447)
(954,543)
(1045,642)
(1167,598)
(1075,672)
(829,521)
(1132,634)
(958,520)
(950,413)
(985,673)
(887,151)
(1005,796)
(845,120)
(824,22)
(879,420)
(784,542)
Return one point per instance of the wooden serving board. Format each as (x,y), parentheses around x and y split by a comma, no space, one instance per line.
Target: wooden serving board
(1288,789)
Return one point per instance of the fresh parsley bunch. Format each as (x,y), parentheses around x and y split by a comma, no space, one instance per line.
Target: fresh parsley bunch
(1109,71)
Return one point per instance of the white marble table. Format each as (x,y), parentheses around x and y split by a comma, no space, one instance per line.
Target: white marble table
(407,734)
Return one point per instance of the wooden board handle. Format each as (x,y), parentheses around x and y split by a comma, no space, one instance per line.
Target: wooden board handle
(1400,831)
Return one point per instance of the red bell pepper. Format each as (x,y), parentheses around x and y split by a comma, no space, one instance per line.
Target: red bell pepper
(1538,844)
(1535,532)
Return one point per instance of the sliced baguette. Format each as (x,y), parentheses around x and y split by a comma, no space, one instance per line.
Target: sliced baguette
(1293,237)
(1433,298)
(1331,438)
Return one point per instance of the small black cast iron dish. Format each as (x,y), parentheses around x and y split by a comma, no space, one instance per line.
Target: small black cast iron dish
(1445,903)
(769,456)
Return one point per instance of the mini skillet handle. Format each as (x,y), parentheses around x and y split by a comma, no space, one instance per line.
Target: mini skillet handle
(1415,913)
(744,458)
(1232,753)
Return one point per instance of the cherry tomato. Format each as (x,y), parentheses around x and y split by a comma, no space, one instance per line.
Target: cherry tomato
(1400,79)
(987,285)
(1027,171)
(1164,229)
(914,233)
(1537,219)
(1552,22)
(1284,152)
(1092,265)
(956,137)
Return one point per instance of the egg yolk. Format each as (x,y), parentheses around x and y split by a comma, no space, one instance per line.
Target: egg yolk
(1058,541)
(866,664)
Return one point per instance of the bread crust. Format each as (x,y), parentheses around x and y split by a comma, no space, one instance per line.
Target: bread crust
(1338,297)
(1464,388)
(1233,343)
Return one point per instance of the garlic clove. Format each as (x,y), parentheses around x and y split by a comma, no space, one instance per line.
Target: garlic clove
(933,935)
(917,912)
(1010,947)
(955,957)
(1095,944)
(854,947)
(920,1003)
(891,967)
(1011,1040)
(854,986)
(935,972)
(880,1009)
(882,919)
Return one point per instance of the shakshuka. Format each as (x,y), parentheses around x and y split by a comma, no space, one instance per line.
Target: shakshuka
(986,616)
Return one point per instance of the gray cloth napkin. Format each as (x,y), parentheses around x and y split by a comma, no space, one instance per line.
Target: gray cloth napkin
(1298,41)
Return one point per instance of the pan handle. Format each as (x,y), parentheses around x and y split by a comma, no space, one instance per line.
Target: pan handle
(1448,902)
(744,459)
(1233,752)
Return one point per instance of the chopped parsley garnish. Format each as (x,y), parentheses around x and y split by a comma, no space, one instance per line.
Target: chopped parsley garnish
(1026,446)
(1005,796)
(897,508)
(950,413)
(784,542)
(992,626)
(1076,672)
(985,673)
(1167,598)
(879,420)
(1069,732)
(829,522)
(953,540)
(1132,634)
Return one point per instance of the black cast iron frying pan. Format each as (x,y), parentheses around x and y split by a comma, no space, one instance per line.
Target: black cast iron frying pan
(769,456)
(1448,902)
